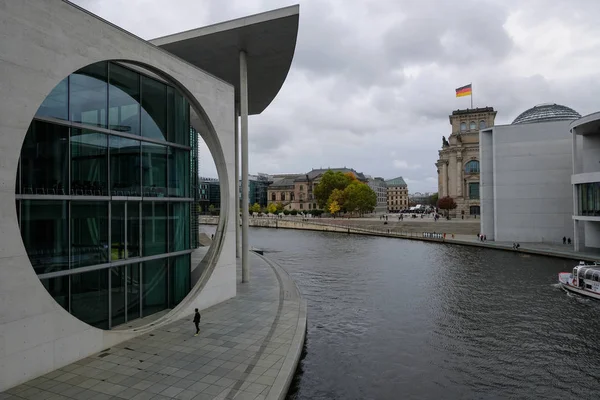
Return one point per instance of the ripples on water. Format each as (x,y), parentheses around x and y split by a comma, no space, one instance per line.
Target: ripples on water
(393,319)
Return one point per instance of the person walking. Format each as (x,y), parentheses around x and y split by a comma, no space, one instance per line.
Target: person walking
(197,322)
(564,240)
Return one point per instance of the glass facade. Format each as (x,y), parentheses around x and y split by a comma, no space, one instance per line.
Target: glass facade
(588,195)
(104,194)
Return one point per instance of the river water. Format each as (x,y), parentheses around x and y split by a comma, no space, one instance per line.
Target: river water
(395,319)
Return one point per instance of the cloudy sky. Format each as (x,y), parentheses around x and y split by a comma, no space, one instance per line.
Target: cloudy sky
(372,82)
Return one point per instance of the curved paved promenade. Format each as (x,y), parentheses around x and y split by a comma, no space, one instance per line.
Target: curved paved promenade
(248,349)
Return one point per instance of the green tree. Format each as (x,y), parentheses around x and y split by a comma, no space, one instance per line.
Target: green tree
(255,208)
(328,183)
(272,208)
(338,196)
(359,197)
(366,198)
(280,207)
(446,203)
(433,199)
(334,207)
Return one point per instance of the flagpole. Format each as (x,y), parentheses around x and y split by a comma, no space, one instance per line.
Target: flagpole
(471,95)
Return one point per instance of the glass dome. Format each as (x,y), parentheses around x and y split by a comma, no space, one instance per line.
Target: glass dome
(546,112)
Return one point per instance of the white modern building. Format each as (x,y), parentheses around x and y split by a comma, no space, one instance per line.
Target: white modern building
(525,177)
(98,174)
(586,182)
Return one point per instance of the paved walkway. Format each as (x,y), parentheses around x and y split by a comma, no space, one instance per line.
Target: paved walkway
(248,349)
(550,249)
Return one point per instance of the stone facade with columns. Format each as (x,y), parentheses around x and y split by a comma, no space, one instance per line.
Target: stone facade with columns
(458,163)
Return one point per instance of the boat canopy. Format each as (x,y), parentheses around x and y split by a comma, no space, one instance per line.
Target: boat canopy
(589,272)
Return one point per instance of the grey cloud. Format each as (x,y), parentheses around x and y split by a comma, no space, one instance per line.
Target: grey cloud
(374,76)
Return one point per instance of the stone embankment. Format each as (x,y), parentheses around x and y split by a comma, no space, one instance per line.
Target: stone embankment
(460,232)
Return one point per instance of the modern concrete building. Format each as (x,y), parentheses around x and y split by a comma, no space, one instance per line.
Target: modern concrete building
(458,164)
(526,169)
(397,194)
(99,158)
(585,137)
(378,185)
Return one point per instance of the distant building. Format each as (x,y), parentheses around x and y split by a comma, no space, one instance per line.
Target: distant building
(526,168)
(296,191)
(209,193)
(419,198)
(458,163)
(258,186)
(397,194)
(379,187)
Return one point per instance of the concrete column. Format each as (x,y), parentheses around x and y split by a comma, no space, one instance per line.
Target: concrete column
(445,179)
(244,125)
(576,238)
(459,178)
(238,244)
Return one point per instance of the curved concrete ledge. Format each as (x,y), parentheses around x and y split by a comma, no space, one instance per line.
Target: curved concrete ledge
(286,374)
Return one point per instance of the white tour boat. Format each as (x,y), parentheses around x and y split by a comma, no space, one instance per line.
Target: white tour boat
(584,280)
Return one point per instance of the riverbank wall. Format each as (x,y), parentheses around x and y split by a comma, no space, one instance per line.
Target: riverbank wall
(431,235)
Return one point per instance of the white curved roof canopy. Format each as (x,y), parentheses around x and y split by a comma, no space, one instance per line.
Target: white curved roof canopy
(269,40)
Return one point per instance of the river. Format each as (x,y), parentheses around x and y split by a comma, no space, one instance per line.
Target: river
(396,319)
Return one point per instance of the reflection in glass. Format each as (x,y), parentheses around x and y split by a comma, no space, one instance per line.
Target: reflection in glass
(117,294)
(58,289)
(154,228)
(117,229)
(179,226)
(124,100)
(88,95)
(89,233)
(45,230)
(133,291)
(89,297)
(124,166)
(154,170)
(178,117)
(179,279)
(473,190)
(56,105)
(133,229)
(472,167)
(589,199)
(154,286)
(154,109)
(89,163)
(179,176)
(45,160)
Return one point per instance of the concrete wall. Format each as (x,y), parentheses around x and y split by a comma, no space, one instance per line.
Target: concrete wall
(42,42)
(592,234)
(590,153)
(532,192)
(486,183)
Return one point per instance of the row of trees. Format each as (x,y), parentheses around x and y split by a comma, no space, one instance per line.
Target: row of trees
(337,192)
(276,208)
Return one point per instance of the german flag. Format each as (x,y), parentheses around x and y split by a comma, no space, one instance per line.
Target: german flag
(464,91)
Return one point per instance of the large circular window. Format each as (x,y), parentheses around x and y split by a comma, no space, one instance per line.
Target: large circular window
(104,194)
